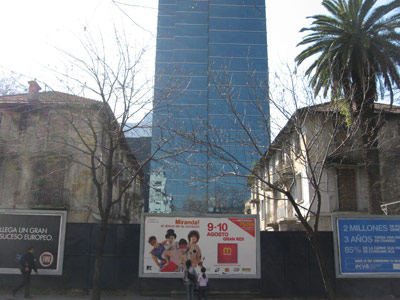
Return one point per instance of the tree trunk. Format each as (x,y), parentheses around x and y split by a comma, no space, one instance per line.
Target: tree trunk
(326,277)
(315,244)
(364,84)
(374,184)
(96,292)
(371,158)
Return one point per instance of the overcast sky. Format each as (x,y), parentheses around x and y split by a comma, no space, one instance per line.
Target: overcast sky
(33,31)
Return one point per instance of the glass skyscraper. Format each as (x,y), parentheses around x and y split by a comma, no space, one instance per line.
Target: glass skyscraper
(210,96)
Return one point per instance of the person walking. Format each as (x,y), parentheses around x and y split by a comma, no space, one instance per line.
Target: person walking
(189,280)
(27,264)
(203,282)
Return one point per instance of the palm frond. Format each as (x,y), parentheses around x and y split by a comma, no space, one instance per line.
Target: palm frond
(357,45)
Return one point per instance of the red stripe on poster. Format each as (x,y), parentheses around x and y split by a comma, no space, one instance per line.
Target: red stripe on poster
(248,225)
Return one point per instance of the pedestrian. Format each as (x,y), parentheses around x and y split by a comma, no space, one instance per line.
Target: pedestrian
(27,263)
(203,282)
(189,280)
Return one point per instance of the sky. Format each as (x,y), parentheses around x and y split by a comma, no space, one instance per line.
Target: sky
(36,33)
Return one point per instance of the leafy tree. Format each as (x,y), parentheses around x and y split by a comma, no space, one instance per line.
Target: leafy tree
(357,55)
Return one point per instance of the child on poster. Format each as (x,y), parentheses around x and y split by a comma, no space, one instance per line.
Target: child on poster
(193,251)
(157,251)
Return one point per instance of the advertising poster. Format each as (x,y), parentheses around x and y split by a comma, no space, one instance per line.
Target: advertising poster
(226,246)
(42,230)
(367,246)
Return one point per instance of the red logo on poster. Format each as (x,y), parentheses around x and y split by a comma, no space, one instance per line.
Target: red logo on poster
(46,259)
(227,253)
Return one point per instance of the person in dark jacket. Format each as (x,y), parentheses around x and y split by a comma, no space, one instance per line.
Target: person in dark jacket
(27,264)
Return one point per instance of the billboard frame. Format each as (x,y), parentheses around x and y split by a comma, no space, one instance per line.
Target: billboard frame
(179,275)
(61,242)
(336,246)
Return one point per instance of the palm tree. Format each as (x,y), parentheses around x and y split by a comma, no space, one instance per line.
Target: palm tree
(357,50)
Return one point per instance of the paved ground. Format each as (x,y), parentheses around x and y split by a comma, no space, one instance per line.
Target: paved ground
(59,297)
(6,295)
(39,294)
(130,297)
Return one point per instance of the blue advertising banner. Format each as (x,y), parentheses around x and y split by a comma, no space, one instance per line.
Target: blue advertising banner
(368,246)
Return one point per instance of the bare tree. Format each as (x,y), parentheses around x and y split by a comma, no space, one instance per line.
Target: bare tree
(311,134)
(10,84)
(222,200)
(96,128)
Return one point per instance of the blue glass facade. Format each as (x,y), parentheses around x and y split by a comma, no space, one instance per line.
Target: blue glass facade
(211,63)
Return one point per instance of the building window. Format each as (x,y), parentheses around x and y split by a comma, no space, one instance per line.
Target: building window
(262,210)
(23,122)
(298,189)
(347,193)
(48,181)
(398,128)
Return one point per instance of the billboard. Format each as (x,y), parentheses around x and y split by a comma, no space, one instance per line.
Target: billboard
(366,246)
(226,245)
(43,230)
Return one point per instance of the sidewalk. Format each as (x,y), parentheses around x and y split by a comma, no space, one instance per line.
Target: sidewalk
(140,297)
(133,296)
(5,295)
(59,297)
(130,297)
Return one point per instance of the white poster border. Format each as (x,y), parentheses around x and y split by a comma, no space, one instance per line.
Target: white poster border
(61,240)
(178,275)
(336,248)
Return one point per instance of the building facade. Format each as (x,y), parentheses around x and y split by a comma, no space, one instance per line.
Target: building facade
(324,148)
(43,164)
(211,69)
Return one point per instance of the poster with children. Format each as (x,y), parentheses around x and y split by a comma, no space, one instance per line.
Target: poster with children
(226,245)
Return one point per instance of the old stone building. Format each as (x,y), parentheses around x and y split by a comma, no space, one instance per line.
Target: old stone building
(45,161)
(315,141)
